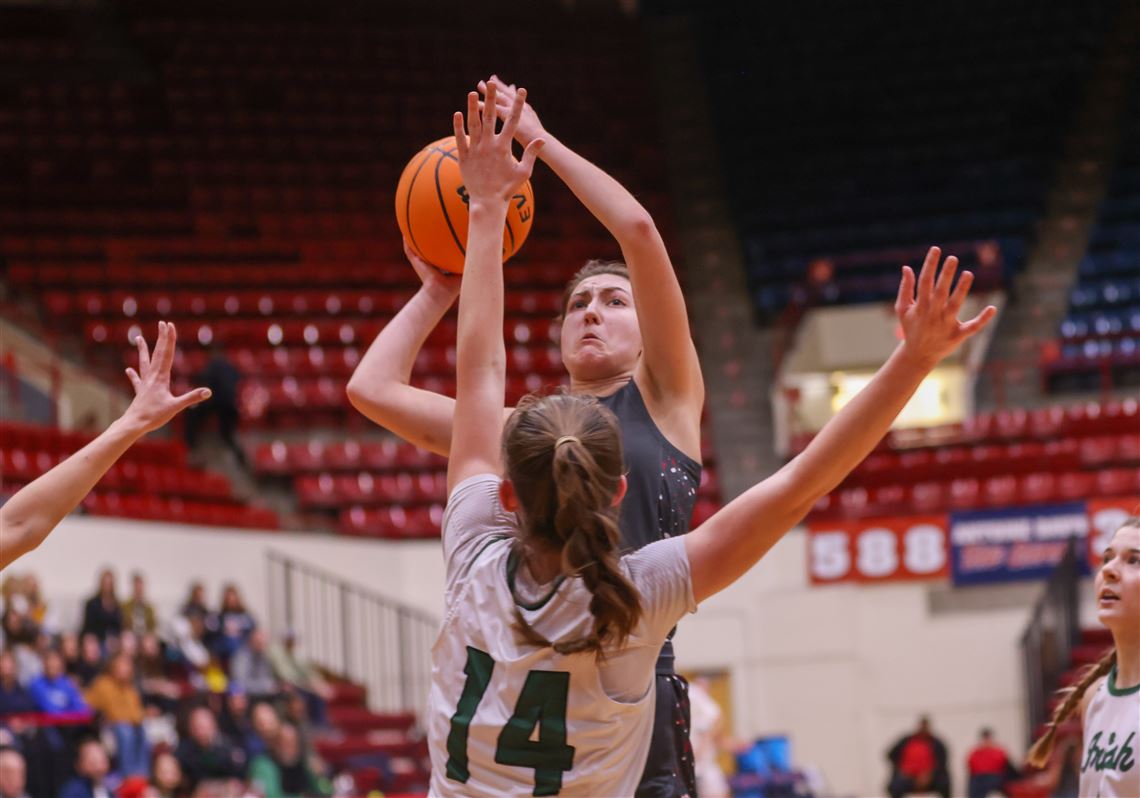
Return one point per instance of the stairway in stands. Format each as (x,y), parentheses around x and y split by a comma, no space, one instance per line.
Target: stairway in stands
(383,752)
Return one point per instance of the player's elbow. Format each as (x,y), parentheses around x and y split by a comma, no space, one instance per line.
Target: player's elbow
(639,227)
(15,541)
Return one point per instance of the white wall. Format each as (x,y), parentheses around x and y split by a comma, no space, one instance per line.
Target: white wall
(843,670)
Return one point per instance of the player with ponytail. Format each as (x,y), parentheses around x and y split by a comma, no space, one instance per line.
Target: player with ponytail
(543,674)
(1107,696)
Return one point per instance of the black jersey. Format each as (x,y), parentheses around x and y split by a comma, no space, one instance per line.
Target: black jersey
(662,479)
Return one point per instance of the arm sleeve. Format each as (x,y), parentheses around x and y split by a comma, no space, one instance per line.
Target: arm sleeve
(473,515)
(660,571)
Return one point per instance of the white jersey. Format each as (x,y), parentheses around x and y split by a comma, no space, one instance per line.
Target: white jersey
(507,717)
(1109,766)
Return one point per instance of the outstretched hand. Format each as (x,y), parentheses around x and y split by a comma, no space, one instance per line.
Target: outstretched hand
(489,168)
(154,404)
(928,311)
(529,127)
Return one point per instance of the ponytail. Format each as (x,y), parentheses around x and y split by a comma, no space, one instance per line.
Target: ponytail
(1041,750)
(563,456)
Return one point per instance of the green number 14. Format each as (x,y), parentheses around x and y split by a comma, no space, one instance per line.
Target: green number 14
(541,703)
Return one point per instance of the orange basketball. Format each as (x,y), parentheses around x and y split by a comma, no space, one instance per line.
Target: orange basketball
(431,208)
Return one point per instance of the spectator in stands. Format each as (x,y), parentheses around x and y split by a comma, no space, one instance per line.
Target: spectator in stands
(195,604)
(14,698)
(232,626)
(114,696)
(69,650)
(296,713)
(234,720)
(13,774)
(189,643)
(285,772)
(38,610)
(167,777)
(265,723)
(222,377)
(138,613)
(918,764)
(156,687)
(19,628)
(989,767)
(90,660)
(207,755)
(92,773)
(251,669)
(30,515)
(102,615)
(54,692)
(296,675)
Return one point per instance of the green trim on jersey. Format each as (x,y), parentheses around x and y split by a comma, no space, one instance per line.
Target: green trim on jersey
(483,548)
(1119,691)
(512,570)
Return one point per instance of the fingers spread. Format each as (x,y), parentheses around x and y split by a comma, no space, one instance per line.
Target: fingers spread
(906,290)
(144,355)
(460,136)
(526,165)
(515,115)
(961,291)
(946,278)
(489,111)
(136,380)
(191,398)
(978,322)
(474,122)
(166,361)
(926,276)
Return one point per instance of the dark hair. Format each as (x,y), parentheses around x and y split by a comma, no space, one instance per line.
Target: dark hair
(593,268)
(563,455)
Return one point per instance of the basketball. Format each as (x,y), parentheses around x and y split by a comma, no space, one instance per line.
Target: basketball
(431,208)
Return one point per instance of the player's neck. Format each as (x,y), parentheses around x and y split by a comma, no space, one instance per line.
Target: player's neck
(601,387)
(542,565)
(1127,660)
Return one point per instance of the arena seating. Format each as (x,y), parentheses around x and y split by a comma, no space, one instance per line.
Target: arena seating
(1099,341)
(151,482)
(244,188)
(906,134)
(1008,458)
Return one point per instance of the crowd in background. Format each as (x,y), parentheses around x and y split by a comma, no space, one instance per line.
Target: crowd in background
(133,705)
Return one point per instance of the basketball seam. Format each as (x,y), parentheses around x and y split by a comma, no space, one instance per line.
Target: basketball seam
(408,206)
(443,204)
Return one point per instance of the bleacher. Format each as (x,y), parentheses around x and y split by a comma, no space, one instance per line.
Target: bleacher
(234,172)
(912,126)
(1099,342)
(1002,459)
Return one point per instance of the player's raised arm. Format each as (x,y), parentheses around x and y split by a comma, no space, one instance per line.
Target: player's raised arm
(35,510)
(730,542)
(491,175)
(380,387)
(670,361)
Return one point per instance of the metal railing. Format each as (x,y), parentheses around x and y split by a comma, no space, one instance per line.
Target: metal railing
(1048,642)
(354,632)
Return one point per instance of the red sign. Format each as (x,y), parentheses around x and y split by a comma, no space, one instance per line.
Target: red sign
(1105,517)
(879,550)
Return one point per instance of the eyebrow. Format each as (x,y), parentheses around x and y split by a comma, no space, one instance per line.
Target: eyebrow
(1110,551)
(609,289)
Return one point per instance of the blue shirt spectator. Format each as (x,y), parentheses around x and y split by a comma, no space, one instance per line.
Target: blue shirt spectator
(54,692)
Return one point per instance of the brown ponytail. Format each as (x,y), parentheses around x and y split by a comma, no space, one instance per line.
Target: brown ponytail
(1039,753)
(564,458)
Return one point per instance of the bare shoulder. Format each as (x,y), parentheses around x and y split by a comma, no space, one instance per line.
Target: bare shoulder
(678,418)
